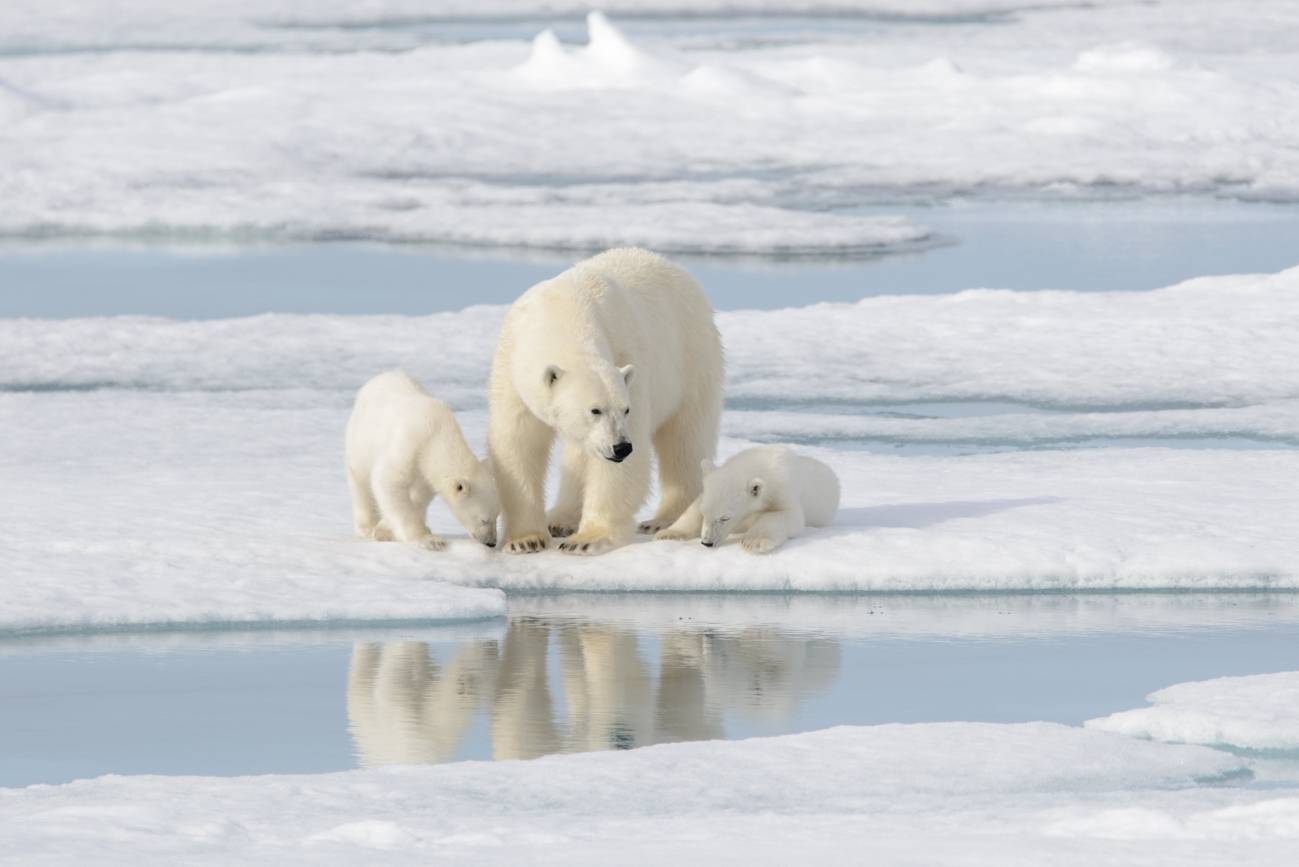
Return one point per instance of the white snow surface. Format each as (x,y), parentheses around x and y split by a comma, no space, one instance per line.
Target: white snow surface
(206,456)
(955,793)
(387,120)
(1215,343)
(1256,712)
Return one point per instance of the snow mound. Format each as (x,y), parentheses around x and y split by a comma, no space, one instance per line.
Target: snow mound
(1125,58)
(607,60)
(1258,712)
(860,789)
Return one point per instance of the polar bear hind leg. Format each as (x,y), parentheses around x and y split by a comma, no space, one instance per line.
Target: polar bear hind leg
(365,510)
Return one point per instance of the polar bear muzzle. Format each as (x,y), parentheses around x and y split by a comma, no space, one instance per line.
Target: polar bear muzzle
(621,450)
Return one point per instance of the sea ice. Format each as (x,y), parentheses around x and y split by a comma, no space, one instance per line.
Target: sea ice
(237,121)
(992,793)
(1258,712)
(206,456)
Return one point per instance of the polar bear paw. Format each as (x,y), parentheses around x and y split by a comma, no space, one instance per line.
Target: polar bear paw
(649,528)
(559,531)
(432,542)
(528,543)
(758,544)
(382,534)
(588,544)
(671,535)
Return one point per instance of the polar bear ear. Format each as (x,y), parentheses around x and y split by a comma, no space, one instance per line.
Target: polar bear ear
(627,371)
(755,487)
(552,375)
(707,465)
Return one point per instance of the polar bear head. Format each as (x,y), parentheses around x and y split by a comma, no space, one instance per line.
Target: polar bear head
(471,497)
(730,495)
(591,407)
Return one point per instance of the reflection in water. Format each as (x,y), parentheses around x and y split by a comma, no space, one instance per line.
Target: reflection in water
(403,707)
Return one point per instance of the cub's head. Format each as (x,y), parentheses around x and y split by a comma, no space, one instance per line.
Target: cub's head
(591,407)
(472,499)
(730,495)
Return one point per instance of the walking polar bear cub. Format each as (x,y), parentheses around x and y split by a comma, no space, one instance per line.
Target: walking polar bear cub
(618,352)
(767,493)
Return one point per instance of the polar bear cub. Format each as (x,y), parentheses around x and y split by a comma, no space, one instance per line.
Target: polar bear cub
(403,448)
(767,493)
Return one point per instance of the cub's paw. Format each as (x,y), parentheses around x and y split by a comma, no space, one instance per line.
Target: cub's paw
(432,543)
(670,535)
(649,528)
(382,534)
(758,544)
(587,544)
(528,543)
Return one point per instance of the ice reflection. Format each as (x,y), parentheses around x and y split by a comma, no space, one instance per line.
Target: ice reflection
(554,685)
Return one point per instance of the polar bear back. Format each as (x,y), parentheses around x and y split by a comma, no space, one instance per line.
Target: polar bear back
(395,419)
(818,489)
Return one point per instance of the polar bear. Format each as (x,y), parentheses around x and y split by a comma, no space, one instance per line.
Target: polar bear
(768,493)
(403,448)
(615,353)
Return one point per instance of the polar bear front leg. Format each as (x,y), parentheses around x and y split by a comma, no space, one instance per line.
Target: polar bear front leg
(612,495)
(566,514)
(689,526)
(393,491)
(519,445)
(771,530)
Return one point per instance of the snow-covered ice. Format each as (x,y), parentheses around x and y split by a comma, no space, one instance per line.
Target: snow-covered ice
(965,793)
(206,456)
(1257,712)
(323,119)
(1229,342)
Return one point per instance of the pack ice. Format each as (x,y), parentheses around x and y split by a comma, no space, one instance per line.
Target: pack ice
(206,456)
(324,119)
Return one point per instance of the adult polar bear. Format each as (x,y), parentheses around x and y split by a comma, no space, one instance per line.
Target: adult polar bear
(615,353)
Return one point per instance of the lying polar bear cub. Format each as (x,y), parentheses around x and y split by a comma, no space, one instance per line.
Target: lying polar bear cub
(403,448)
(768,493)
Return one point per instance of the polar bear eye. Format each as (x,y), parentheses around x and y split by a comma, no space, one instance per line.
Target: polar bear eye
(627,411)
(723,520)
(595,412)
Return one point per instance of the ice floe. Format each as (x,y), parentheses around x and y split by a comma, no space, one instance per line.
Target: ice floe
(1218,343)
(206,456)
(1257,712)
(964,793)
(238,121)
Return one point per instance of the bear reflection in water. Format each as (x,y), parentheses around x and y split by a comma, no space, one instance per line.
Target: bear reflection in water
(403,707)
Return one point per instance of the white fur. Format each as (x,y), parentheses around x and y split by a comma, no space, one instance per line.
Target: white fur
(767,493)
(624,330)
(404,448)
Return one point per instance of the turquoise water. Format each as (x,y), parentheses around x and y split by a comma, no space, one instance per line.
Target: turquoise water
(1088,246)
(569,674)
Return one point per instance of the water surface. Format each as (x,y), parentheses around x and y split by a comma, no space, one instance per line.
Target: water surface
(592,672)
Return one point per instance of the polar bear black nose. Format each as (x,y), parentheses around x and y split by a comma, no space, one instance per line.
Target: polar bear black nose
(621,451)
